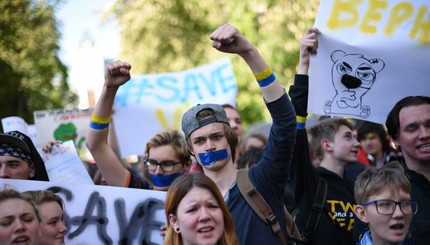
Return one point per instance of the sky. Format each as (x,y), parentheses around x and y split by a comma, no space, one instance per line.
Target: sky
(78,17)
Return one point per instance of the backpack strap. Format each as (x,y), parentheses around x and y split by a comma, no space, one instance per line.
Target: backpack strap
(316,210)
(258,204)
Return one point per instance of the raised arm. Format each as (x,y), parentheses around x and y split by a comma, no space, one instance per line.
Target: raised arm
(308,46)
(229,40)
(116,74)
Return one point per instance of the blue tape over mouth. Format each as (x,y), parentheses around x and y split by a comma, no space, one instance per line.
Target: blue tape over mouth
(210,158)
(164,180)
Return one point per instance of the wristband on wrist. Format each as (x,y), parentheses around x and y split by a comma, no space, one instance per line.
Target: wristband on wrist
(99,123)
(265,78)
(301,122)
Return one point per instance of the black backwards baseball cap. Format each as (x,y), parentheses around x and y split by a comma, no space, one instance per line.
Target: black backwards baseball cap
(24,147)
(190,122)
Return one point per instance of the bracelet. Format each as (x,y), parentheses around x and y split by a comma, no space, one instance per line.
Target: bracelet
(301,122)
(265,78)
(99,123)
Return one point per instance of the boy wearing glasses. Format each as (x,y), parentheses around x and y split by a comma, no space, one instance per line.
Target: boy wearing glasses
(385,205)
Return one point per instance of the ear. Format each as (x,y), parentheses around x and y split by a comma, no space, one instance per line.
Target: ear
(190,149)
(187,165)
(377,64)
(32,170)
(326,145)
(173,221)
(336,55)
(360,213)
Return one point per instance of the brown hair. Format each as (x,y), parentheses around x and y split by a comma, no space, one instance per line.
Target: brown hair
(230,134)
(178,189)
(9,193)
(373,180)
(42,196)
(326,129)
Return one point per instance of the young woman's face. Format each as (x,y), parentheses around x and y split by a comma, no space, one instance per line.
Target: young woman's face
(199,218)
(388,229)
(52,227)
(18,223)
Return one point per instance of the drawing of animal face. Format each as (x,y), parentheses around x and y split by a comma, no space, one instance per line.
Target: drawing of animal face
(352,71)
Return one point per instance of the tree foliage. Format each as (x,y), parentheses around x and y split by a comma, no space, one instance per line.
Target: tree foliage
(31,75)
(172,35)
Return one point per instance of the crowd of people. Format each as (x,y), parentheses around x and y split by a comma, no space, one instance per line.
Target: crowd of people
(370,185)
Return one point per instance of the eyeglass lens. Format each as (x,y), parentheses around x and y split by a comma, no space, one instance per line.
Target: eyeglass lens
(389,206)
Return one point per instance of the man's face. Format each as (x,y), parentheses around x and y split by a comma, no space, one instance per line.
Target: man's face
(414,134)
(15,168)
(235,121)
(371,143)
(210,138)
(345,145)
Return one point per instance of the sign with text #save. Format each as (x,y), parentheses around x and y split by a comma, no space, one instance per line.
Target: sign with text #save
(371,54)
(104,214)
(148,103)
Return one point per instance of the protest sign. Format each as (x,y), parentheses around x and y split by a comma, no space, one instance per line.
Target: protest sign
(371,54)
(62,124)
(148,103)
(64,165)
(19,124)
(104,214)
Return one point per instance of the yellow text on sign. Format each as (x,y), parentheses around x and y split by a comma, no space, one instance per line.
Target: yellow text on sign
(398,14)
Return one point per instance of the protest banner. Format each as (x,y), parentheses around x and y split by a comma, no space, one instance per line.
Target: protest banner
(148,103)
(63,165)
(371,54)
(62,124)
(19,124)
(104,214)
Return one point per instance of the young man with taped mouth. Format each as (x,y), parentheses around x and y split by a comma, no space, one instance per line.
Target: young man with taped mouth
(213,142)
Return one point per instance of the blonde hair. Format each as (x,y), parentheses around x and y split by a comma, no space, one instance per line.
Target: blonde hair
(374,180)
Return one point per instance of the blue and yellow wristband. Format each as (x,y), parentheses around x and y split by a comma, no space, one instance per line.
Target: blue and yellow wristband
(301,122)
(99,123)
(265,78)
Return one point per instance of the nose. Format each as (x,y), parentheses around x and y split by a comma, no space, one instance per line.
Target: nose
(397,211)
(424,132)
(350,81)
(63,228)
(158,170)
(19,227)
(210,146)
(204,214)
(4,174)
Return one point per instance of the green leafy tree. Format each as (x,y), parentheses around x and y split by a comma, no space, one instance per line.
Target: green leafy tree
(172,35)
(31,75)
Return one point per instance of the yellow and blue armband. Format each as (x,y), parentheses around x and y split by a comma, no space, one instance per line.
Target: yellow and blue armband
(99,123)
(265,78)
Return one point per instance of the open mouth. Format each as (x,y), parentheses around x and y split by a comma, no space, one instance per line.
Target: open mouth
(424,147)
(206,229)
(19,240)
(397,227)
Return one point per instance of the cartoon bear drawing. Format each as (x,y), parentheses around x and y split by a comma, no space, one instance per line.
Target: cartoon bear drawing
(352,76)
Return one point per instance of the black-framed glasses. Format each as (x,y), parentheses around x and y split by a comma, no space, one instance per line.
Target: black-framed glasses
(166,166)
(387,207)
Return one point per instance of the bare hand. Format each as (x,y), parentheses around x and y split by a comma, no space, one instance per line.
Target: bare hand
(117,73)
(228,39)
(163,229)
(48,146)
(308,46)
